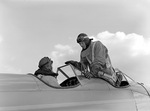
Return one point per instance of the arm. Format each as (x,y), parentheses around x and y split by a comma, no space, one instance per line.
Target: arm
(53,74)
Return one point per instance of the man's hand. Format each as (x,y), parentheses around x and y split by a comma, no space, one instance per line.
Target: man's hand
(70,62)
(88,75)
(40,76)
(95,68)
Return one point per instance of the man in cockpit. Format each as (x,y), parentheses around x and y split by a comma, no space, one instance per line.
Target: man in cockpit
(95,61)
(45,72)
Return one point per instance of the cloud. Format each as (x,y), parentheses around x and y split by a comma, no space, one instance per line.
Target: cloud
(135,44)
(62,53)
(64,48)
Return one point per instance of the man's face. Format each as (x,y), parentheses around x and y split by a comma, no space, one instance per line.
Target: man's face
(82,44)
(49,65)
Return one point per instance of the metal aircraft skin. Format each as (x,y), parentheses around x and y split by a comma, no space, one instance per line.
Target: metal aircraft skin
(25,92)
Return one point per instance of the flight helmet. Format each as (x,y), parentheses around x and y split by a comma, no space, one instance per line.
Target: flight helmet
(44,61)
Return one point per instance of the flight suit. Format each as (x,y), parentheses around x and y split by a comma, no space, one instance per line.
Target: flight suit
(96,58)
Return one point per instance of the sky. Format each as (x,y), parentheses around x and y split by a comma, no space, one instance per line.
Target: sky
(32,29)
